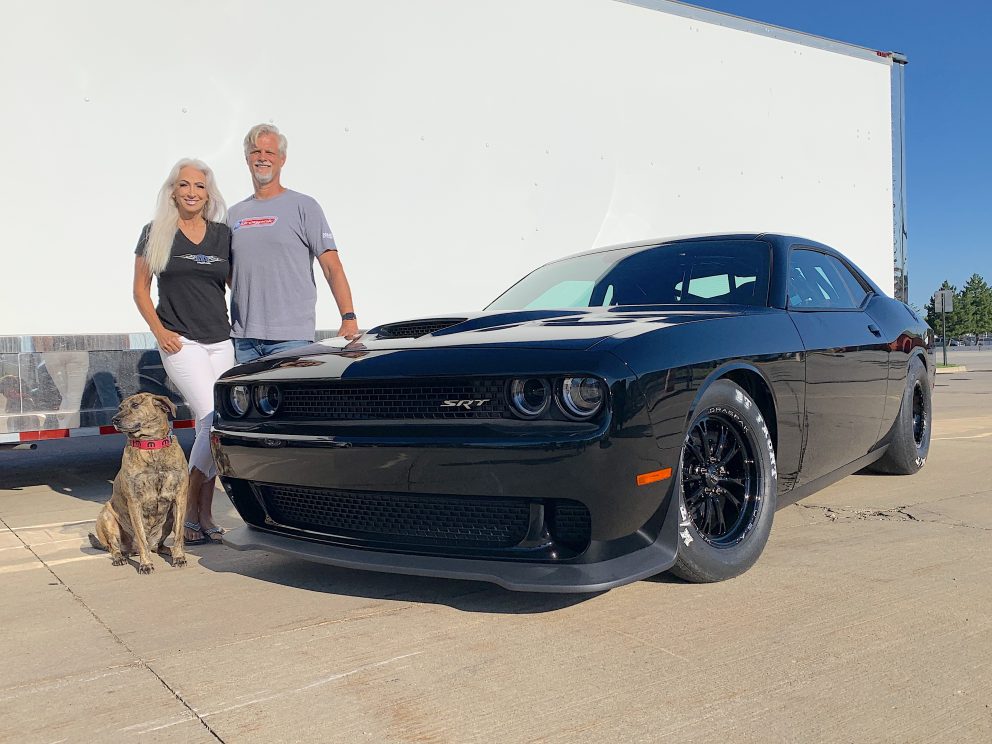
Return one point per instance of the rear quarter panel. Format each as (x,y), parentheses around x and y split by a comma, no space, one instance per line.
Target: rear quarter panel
(907,336)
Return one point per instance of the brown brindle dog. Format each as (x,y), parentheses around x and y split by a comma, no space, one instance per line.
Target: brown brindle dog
(149,496)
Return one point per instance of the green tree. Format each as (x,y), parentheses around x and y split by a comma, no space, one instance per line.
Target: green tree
(976,298)
(964,309)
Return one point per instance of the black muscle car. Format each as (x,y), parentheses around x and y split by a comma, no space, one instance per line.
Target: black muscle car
(613,415)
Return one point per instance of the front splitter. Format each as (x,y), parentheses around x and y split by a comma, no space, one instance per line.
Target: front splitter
(572,578)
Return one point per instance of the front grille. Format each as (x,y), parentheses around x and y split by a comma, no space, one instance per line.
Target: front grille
(426,520)
(373,401)
(416,328)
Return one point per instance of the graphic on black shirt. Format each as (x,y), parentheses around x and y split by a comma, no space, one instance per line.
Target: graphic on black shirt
(202,259)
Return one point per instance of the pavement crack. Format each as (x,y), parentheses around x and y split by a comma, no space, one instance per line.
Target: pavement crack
(902,510)
(896,514)
(851,514)
(140,662)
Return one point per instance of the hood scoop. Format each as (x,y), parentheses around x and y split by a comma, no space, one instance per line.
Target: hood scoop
(416,328)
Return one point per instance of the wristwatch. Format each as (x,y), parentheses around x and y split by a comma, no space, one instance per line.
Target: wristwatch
(349,316)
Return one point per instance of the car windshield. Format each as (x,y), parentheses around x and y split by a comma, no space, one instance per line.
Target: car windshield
(720,272)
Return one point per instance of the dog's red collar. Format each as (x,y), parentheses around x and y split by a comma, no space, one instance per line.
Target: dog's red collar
(151,444)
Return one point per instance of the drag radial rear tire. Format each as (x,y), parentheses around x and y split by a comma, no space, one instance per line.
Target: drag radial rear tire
(910,440)
(728,486)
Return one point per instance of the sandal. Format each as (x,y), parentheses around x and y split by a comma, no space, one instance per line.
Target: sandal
(195,527)
(208,531)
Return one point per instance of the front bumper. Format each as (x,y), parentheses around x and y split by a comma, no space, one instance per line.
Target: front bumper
(533,506)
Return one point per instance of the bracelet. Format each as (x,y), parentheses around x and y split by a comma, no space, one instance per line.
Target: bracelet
(349,316)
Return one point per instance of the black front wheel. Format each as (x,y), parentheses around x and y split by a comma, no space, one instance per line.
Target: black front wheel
(728,486)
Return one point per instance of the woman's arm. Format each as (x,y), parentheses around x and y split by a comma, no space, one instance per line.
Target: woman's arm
(168,341)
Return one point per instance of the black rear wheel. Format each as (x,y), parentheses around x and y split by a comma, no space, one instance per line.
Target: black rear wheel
(909,439)
(728,486)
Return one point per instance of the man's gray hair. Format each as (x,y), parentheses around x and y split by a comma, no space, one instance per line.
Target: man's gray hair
(251,139)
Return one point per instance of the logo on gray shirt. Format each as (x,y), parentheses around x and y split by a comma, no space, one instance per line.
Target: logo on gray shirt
(255,222)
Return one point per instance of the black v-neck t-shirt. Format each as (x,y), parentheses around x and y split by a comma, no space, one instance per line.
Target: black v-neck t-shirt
(191,299)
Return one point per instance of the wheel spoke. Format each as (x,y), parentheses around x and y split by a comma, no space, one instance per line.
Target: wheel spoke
(699,516)
(720,444)
(729,456)
(735,481)
(695,451)
(707,450)
(694,498)
(709,515)
(733,499)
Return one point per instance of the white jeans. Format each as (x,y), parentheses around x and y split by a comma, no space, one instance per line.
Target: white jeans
(193,370)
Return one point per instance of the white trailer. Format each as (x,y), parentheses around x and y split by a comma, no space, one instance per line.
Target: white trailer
(454,145)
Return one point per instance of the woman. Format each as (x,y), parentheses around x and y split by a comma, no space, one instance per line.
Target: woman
(188,247)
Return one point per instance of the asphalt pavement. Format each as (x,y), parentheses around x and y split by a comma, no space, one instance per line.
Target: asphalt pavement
(867,619)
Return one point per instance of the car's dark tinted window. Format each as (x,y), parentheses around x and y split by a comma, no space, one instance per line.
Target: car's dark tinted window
(854,286)
(818,280)
(710,272)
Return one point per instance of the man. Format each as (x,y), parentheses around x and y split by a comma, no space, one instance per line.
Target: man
(277,234)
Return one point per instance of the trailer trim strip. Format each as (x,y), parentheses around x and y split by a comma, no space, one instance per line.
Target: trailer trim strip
(86,431)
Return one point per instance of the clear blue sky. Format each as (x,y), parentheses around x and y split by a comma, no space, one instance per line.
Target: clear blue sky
(948,117)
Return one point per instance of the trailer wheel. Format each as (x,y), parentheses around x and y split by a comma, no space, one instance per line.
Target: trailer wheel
(728,487)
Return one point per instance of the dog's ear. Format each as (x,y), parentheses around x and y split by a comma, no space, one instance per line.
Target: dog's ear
(165,404)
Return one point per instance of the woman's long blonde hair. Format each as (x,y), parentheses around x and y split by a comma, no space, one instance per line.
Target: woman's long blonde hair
(158,246)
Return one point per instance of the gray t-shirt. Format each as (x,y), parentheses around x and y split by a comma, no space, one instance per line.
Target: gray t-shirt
(274,243)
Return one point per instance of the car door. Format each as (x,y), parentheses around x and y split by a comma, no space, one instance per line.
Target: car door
(846,361)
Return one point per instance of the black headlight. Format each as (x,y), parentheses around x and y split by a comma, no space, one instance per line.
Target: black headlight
(267,399)
(530,397)
(581,397)
(238,400)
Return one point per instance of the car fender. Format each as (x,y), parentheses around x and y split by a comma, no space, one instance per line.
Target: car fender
(724,371)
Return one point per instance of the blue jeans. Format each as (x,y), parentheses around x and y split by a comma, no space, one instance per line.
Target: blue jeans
(250,349)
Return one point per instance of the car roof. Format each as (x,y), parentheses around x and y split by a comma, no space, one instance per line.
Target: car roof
(658,242)
(780,242)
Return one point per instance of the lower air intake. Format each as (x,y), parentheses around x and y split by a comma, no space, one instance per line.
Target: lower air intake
(400,518)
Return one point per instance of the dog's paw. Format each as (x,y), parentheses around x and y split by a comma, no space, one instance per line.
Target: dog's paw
(178,561)
(119,560)
(145,568)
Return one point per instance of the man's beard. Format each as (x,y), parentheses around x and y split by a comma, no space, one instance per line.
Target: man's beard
(264,178)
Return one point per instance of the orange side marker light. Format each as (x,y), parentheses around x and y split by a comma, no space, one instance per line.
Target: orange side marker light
(654,476)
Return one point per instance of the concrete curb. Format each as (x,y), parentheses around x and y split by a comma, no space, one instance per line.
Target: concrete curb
(949,370)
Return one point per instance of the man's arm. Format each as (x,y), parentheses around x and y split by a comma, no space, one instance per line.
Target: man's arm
(330,264)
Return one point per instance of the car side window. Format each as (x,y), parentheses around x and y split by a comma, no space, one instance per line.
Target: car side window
(854,286)
(818,280)
(725,282)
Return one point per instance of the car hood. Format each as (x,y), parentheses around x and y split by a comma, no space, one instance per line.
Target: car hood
(576,330)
